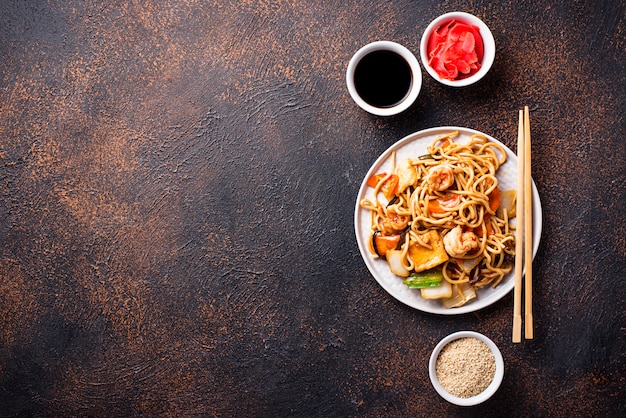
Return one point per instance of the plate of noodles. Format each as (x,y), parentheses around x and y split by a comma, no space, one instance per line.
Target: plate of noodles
(435,220)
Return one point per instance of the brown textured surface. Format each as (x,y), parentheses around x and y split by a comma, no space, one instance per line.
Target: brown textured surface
(177,183)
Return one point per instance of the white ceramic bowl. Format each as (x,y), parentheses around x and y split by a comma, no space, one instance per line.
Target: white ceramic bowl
(484,395)
(416,73)
(489,46)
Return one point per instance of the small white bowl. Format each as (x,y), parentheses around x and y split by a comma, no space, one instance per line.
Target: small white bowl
(484,395)
(416,77)
(489,48)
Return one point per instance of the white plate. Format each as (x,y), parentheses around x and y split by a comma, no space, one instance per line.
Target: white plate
(413,146)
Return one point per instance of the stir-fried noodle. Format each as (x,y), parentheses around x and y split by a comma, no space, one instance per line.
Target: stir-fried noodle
(452,190)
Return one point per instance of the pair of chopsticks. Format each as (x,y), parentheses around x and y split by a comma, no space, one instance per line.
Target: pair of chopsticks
(523,233)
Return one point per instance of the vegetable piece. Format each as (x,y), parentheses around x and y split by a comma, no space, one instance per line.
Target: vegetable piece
(448,201)
(373,181)
(446,143)
(393,201)
(508,199)
(382,243)
(407,175)
(394,259)
(389,188)
(461,294)
(494,199)
(468,264)
(488,225)
(430,278)
(444,290)
(424,258)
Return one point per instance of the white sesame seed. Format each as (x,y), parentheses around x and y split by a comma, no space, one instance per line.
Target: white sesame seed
(465,367)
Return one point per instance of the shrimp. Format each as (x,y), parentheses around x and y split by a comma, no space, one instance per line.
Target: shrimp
(440,177)
(457,243)
(394,222)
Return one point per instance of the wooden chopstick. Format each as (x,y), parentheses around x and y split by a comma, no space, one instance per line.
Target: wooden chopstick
(519,214)
(528,231)
(523,233)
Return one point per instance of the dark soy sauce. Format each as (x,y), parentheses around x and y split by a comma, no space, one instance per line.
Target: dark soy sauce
(383,78)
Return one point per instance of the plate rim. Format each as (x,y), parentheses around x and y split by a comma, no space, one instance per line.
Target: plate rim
(368,259)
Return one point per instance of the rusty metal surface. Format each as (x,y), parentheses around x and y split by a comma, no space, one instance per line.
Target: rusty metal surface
(177,184)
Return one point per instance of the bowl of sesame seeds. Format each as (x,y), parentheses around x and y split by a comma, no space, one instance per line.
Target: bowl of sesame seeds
(466,368)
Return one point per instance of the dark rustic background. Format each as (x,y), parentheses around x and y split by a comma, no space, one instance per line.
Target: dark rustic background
(177,187)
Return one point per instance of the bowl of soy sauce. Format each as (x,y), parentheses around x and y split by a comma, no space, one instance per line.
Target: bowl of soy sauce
(384,78)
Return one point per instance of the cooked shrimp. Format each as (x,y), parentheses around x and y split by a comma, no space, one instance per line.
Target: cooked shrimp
(394,222)
(440,177)
(457,243)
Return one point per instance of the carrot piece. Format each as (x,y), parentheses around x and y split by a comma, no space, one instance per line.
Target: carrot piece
(449,200)
(384,243)
(373,181)
(389,187)
(488,226)
(495,199)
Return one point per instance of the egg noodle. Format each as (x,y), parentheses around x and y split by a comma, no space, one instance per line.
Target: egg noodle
(452,190)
